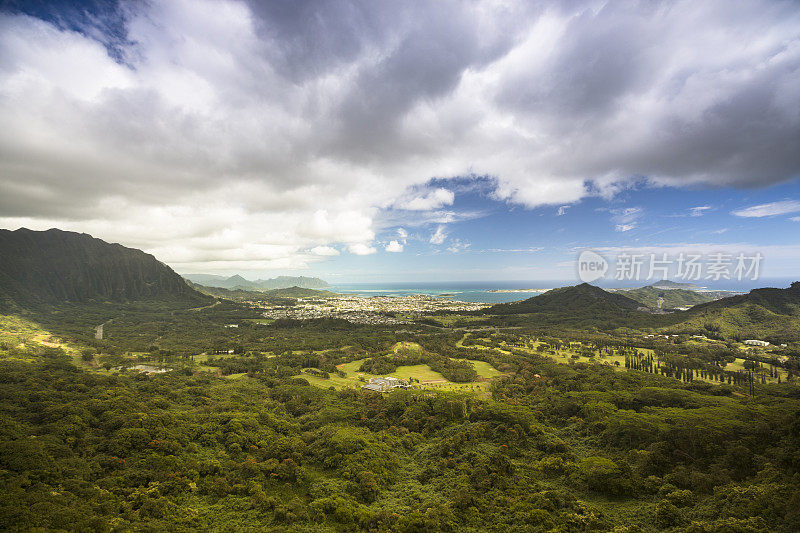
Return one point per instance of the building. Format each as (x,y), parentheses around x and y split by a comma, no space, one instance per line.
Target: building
(385,384)
(754,342)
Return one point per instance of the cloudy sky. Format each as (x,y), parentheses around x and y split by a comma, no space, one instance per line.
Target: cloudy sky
(404,140)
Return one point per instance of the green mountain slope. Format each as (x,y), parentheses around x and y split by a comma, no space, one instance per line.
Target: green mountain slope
(579,306)
(242,295)
(54,266)
(773,314)
(298,292)
(673,298)
(578,299)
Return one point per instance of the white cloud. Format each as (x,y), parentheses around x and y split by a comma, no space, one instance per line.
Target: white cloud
(795,219)
(562,210)
(438,236)
(516,250)
(402,235)
(435,199)
(698,211)
(457,246)
(767,210)
(275,131)
(325,251)
(626,218)
(362,249)
(394,246)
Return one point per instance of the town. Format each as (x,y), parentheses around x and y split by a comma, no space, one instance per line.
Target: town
(373,310)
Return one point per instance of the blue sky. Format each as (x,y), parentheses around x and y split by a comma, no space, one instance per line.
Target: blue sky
(498,241)
(399,141)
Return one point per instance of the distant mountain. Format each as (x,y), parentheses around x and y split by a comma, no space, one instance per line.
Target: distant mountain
(298,292)
(238,282)
(768,312)
(672,297)
(54,266)
(667,284)
(578,298)
(272,294)
(579,306)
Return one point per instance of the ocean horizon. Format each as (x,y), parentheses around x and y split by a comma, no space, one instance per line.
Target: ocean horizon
(486,291)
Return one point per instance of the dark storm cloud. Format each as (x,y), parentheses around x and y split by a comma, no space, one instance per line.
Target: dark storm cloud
(308,117)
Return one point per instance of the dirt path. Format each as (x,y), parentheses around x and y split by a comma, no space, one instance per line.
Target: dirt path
(206,306)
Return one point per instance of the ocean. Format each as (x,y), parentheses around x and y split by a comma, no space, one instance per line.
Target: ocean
(483,291)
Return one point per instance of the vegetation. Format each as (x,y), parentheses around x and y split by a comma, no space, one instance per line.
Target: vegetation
(51,267)
(571,411)
(672,298)
(564,447)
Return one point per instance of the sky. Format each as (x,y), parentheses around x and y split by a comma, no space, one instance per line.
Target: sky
(405,141)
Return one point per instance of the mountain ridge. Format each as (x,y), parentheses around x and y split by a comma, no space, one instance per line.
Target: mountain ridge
(236,281)
(56,266)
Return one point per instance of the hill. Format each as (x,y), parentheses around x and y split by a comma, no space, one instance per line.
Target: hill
(245,295)
(238,282)
(667,284)
(298,292)
(578,306)
(768,313)
(673,297)
(54,266)
(578,298)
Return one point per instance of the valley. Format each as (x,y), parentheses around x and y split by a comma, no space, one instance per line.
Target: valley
(573,410)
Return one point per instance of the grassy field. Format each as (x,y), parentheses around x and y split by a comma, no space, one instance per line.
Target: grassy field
(17,332)
(260,321)
(428,378)
(450,320)
(422,373)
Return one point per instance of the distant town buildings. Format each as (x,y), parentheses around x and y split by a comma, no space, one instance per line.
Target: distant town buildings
(385,384)
(359,310)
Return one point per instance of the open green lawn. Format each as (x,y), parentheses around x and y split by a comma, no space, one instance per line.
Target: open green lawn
(427,377)
(260,321)
(420,372)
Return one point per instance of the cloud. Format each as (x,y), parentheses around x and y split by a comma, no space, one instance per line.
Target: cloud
(626,218)
(402,235)
(394,246)
(698,211)
(362,249)
(435,199)
(325,251)
(438,236)
(458,246)
(273,131)
(720,231)
(516,250)
(795,219)
(562,210)
(767,210)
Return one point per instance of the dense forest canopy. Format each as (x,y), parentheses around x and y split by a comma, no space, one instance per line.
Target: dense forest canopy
(570,411)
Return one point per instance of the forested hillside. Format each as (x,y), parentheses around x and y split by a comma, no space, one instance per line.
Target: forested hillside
(556,448)
(672,298)
(54,266)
